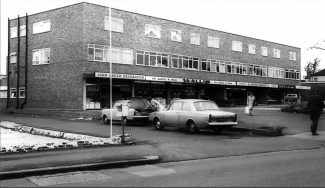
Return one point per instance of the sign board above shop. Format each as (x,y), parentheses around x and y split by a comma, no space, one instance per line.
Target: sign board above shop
(303,87)
(287,86)
(121,76)
(222,83)
(163,79)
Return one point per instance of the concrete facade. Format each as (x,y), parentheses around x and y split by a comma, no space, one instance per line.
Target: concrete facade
(61,84)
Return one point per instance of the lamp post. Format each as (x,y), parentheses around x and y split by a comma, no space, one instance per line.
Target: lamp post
(110,69)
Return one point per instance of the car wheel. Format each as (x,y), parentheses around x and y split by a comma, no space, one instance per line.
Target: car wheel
(158,125)
(191,127)
(105,120)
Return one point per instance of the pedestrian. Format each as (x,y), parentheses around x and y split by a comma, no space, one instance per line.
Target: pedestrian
(250,102)
(315,105)
(152,105)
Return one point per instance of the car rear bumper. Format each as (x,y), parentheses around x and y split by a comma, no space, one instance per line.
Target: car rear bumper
(215,124)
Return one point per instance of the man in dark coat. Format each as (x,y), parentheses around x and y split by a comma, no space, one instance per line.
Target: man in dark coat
(315,105)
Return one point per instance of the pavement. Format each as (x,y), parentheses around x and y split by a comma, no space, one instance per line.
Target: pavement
(47,162)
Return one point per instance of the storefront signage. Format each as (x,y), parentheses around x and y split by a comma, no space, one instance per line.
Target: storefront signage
(287,86)
(242,83)
(121,76)
(272,85)
(303,87)
(163,79)
(195,81)
(222,83)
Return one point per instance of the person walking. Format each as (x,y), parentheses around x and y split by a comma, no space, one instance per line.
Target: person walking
(250,102)
(315,104)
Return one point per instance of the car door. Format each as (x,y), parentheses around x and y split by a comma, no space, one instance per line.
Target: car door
(171,115)
(184,114)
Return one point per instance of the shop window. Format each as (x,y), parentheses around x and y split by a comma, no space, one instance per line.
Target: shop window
(153,31)
(13,57)
(195,38)
(41,56)
(117,24)
(41,27)
(176,35)
(213,42)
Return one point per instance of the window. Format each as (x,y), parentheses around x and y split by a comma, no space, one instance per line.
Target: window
(213,42)
(186,106)
(185,62)
(276,53)
(211,65)
(22,92)
(13,92)
(264,51)
(3,94)
(22,30)
(195,39)
(153,31)
(41,56)
(237,46)
(176,35)
(13,32)
(271,72)
(154,59)
(292,56)
(251,48)
(176,106)
(229,67)
(264,71)
(13,57)
(297,75)
(221,67)
(205,65)
(41,27)
(117,24)
(101,53)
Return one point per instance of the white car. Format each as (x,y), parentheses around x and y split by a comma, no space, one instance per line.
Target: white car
(194,115)
(136,112)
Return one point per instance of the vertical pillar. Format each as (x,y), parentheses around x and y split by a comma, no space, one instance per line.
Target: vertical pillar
(18,62)
(8,66)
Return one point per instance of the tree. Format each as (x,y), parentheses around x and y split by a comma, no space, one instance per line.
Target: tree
(311,67)
(318,46)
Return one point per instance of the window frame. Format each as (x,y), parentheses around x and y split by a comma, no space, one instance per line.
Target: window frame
(276,53)
(195,39)
(150,55)
(155,29)
(13,56)
(41,24)
(177,34)
(117,24)
(213,42)
(41,56)
(292,56)
(237,46)
(251,48)
(264,51)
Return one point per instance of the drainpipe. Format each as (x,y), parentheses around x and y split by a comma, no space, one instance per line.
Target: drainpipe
(18,55)
(8,63)
(26,62)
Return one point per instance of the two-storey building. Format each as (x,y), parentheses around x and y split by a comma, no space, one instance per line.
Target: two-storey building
(60,59)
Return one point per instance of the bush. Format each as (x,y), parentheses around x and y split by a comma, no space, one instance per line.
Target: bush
(296,107)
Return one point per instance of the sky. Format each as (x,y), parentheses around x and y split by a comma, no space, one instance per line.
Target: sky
(298,23)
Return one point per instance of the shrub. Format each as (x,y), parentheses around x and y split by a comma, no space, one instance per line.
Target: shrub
(296,107)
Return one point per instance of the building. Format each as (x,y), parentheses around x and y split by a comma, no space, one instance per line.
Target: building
(68,61)
(315,82)
(3,91)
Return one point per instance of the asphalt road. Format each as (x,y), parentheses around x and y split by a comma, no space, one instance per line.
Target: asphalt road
(303,168)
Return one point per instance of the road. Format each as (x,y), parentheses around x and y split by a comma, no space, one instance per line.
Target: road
(299,168)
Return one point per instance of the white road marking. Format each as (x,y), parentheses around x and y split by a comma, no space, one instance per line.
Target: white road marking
(149,171)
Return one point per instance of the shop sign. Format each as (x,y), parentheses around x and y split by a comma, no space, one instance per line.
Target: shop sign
(163,79)
(242,83)
(272,85)
(287,86)
(303,87)
(121,76)
(222,83)
(195,81)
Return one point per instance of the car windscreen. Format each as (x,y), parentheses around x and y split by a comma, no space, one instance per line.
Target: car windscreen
(138,103)
(205,105)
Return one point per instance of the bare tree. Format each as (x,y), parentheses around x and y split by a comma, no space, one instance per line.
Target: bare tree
(311,67)
(318,46)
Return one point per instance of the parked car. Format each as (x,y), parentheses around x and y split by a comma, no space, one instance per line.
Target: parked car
(136,112)
(291,97)
(193,115)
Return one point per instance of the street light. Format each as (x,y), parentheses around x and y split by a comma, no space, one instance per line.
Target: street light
(110,68)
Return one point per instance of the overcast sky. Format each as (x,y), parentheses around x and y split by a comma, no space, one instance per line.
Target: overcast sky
(299,23)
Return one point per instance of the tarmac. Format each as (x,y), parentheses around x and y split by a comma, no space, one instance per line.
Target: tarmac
(58,161)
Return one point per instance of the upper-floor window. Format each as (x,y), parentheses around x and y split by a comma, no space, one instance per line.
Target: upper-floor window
(42,26)
(276,53)
(264,51)
(154,59)
(101,53)
(13,92)
(13,57)
(237,46)
(117,24)
(185,62)
(176,35)
(14,32)
(41,56)
(153,31)
(195,38)
(213,42)
(251,48)
(292,56)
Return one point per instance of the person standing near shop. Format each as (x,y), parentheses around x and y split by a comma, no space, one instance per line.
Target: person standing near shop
(315,104)
(250,102)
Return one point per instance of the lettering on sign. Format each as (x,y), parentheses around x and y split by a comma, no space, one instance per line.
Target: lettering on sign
(121,76)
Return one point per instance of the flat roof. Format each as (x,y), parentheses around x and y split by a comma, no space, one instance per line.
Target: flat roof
(160,19)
